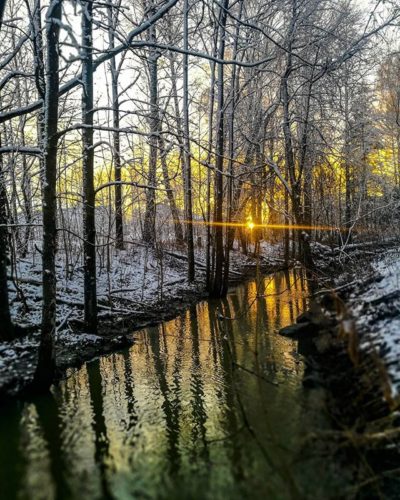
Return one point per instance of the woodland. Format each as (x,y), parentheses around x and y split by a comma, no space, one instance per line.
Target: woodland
(155,153)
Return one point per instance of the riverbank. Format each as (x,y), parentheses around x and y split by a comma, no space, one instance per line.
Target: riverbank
(350,338)
(139,288)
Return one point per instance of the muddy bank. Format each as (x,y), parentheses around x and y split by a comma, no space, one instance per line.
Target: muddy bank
(117,323)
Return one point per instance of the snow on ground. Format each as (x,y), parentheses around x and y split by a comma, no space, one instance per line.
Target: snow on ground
(134,287)
(132,278)
(134,283)
(377,313)
(126,282)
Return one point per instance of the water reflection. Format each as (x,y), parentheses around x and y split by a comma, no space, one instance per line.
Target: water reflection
(209,405)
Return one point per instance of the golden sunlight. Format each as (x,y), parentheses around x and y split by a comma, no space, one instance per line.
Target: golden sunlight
(251,225)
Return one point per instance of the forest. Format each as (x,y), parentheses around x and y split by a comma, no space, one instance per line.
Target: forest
(199,249)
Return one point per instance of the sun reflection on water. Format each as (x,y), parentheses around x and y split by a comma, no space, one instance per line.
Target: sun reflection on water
(169,417)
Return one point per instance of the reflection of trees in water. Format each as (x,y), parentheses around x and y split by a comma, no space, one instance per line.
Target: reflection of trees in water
(99,425)
(311,283)
(186,375)
(196,386)
(237,389)
(297,274)
(176,391)
(288,286)
(241,302)
(232,424)
(129,390)
(208,318)
(47,408)
(277,298)
(171,416)
(289,296)
(11,447)
(263,341)
(261,431)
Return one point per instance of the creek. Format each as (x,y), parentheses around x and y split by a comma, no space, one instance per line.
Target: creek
(209,405)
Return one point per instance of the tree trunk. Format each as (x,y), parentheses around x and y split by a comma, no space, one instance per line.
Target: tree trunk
(40,77)
(89,228)
(217,290)
(149,229)
(46,364)
(7,328)
(295,180)
(119,223)
(287,221)
(184,142)
(230,231)
(209,243)
(170,193)
(186,154)
(2,10)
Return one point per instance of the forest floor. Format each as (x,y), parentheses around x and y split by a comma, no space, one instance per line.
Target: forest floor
(140,287)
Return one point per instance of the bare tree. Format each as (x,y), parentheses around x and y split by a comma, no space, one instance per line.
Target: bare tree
(46,362)
(119,226)
(187,168)
(217,289)
(89,227)
(149,230)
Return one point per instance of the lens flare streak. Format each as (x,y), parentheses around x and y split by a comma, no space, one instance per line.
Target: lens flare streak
(253,225)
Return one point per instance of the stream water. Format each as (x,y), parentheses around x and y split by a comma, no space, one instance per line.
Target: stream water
(209,405)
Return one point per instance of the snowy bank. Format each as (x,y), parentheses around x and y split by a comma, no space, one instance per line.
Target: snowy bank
(376,309)
(136,288)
